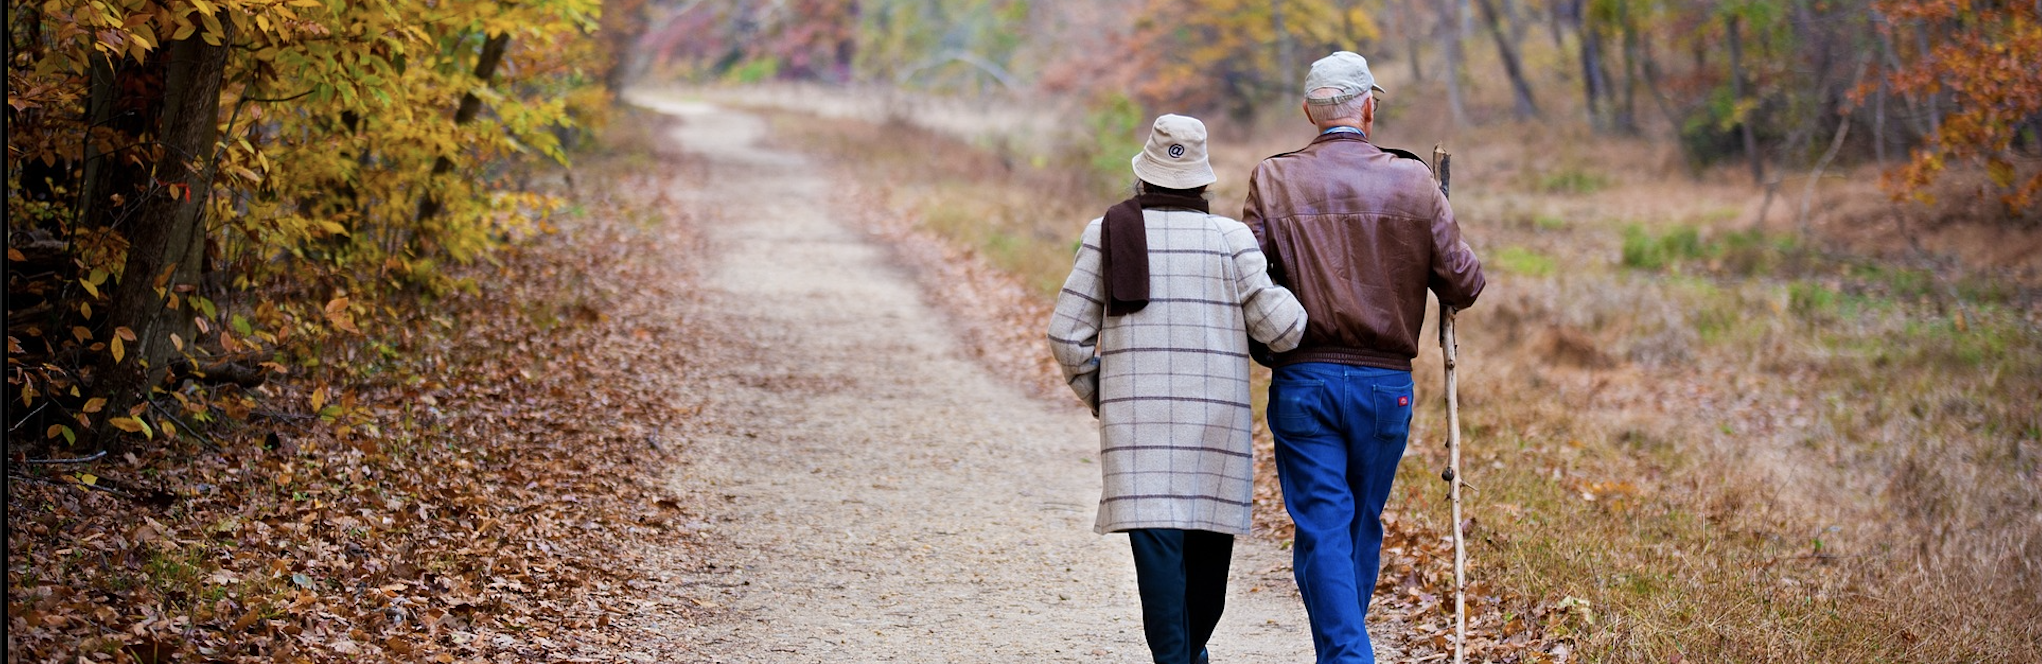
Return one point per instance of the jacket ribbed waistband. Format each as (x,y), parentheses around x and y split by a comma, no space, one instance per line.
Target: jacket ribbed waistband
(1353,356)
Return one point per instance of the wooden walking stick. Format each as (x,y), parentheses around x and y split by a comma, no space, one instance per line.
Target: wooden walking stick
(1441,162)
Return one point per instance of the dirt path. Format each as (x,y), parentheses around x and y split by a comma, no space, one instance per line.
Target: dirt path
(877,495)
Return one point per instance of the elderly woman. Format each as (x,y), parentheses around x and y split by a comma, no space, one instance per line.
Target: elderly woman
(1152,329)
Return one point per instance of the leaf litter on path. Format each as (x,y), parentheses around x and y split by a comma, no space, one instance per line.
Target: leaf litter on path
(489,498)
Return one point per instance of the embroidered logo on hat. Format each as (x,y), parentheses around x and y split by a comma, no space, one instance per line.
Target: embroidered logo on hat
(1174,155)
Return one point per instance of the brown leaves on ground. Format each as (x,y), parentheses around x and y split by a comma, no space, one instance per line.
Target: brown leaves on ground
(480,494)
(1413,609)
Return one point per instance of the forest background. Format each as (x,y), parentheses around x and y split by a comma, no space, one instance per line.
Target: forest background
(1764,381)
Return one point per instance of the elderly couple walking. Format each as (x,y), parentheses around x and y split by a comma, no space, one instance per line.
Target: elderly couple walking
(1166,304)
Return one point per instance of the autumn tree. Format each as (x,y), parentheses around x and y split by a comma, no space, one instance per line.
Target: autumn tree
(1232,55)
(197,189)
(1984,65)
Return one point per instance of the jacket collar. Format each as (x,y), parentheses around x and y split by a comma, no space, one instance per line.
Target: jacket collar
(1340,136)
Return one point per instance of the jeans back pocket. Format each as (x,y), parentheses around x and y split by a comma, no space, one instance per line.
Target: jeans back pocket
(1393,412)
(1295,407)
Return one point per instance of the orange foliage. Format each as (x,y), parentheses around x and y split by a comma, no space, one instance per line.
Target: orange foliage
(1987,65)
(1206,54)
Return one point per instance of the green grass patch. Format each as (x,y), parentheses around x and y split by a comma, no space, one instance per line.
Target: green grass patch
(1746,253)
(1812,301)
(1644,250)
(1574,181)
(1525,261)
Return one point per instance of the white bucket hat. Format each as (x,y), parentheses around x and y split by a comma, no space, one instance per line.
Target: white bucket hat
(1175,154)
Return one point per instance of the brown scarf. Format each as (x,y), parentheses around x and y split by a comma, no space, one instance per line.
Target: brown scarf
(1126,243)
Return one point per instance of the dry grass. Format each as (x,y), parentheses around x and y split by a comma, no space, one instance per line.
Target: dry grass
(1694,435)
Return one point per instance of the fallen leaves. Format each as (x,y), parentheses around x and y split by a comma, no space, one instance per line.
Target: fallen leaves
(338,316)
(482,494)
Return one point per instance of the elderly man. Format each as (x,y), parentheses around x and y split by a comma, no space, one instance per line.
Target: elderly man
(1152,330)
(1359,233)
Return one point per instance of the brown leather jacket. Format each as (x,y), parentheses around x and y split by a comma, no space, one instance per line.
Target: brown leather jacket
(1359,234)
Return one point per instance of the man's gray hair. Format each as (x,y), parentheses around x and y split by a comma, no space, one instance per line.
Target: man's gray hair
(1321,113)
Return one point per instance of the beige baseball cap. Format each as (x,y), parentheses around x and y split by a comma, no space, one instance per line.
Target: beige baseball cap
(1345,71)
(1175,154)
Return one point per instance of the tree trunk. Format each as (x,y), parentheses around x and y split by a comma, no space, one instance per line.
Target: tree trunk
(1285,65)
(1556,24)
(1648,66)
(1737,94)
(1921,40)
(124,105)
(1411,42)
(1513,17)
(1843,129)
(624,23)
(166,236)
(95,185)
(471,105)
(1526,108)
(1879,125)
(1451,15)
(1627,113)
(1591,65)
(1916,119)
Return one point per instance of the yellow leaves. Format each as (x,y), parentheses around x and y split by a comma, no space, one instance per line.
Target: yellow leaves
(319,398)
(337,315)
(214,31)
(144,38)
(133,425)
(92,281)
(94,405)
(117,343)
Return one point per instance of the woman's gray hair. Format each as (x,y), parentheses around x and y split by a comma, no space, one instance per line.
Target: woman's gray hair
(1321,113)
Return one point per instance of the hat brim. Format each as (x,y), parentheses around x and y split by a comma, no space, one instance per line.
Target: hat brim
(1173,176)
(1342,99)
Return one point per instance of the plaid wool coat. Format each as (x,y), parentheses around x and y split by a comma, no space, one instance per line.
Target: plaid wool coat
(1170,382)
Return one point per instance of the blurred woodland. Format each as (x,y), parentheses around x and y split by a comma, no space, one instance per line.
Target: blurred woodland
(1773,84)
(270,264)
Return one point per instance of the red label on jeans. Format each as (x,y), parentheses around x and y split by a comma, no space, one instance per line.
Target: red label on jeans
(1403,401)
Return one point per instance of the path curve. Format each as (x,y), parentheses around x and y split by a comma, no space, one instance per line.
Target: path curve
(876,495)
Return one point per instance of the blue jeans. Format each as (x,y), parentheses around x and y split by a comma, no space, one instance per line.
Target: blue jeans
(1340,431)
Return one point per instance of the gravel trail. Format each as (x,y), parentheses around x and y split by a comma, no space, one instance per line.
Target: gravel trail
(874,494)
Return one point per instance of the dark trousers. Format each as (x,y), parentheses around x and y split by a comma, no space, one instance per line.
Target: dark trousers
(1183,578)
(1340,431)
